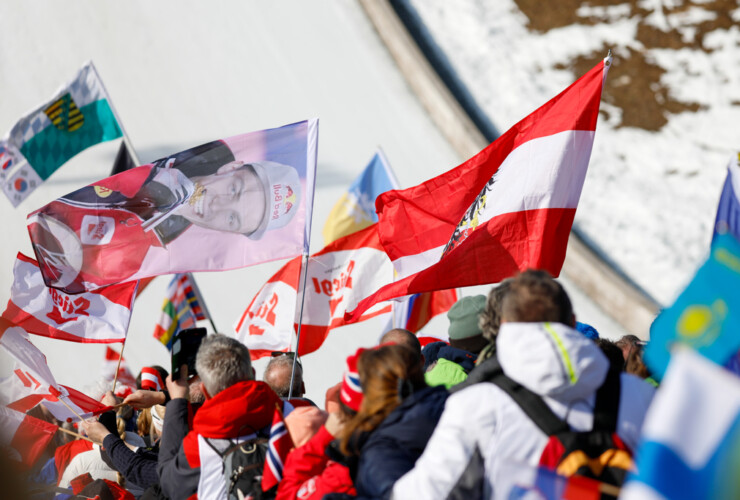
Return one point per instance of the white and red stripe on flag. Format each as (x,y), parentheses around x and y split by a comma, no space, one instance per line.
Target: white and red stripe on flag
(31,381)
(278,447)
(151,380)
(509,208)
(100,316)
(338,276)
(25,435)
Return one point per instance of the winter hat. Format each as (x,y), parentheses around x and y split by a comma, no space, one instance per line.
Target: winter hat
(282,187)
(587,330)
(303,422)
(463,316)
(151,379)
(351,392)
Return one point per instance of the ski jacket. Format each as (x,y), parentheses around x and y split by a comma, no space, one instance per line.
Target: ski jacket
(190,468)
(550,359)
(392,449)
(310,474)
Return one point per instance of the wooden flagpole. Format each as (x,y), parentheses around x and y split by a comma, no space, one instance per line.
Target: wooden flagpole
(118,367)
(79,436)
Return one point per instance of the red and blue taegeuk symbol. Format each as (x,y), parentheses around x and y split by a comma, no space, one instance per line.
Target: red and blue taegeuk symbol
(20,185)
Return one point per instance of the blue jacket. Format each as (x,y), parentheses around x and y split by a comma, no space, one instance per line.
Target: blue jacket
(392,449)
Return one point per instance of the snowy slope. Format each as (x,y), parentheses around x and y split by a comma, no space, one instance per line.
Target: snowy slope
(670,110)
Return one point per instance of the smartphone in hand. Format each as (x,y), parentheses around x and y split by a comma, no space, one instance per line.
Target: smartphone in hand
(184,348)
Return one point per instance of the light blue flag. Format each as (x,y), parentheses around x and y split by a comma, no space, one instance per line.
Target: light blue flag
(355,210)
(706,316)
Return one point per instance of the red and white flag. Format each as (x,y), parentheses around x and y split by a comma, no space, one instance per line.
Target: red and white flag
(25,435)
(100,316)
(509,208)
(126,382)
(338,276)
(32,382)
(151,380)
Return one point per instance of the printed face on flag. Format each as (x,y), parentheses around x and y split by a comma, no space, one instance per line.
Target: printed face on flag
(222,205)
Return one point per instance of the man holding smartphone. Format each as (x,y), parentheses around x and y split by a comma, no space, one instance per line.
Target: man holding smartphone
(237,409)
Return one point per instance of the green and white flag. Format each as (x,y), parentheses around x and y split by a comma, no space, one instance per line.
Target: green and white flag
(77,117)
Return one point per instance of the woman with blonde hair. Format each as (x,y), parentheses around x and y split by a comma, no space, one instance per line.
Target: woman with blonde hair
(397,416)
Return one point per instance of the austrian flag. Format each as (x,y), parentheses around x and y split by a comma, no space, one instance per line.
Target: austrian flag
(509,208)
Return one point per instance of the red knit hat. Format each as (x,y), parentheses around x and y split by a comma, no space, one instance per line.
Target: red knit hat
(351,393)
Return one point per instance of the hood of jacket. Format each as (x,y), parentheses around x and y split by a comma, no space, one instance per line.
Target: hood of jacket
(238,410)
(551,359)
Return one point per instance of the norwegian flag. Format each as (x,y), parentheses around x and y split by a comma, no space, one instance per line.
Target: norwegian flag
(509,208)
(338,276)
(278,447)
(31,381)
(126,382)
(151,380)
(101,316)
(25,435)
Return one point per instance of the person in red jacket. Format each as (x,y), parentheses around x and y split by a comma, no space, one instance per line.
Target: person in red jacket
(318,467)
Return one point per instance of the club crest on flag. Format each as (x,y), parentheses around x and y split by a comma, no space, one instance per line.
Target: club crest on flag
(64,114)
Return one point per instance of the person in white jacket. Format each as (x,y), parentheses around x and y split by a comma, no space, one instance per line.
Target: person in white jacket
(549,358)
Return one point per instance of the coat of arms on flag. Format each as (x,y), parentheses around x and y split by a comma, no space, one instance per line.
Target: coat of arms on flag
(180,310)
(223,205)
(77,117)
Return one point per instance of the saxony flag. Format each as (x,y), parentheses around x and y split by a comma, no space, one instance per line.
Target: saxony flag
(77,117)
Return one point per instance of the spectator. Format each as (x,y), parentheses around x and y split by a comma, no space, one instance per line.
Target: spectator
(455,361)
(319,468)
(395,419)
(538,348)
(236,408)
(490,319)
(402,336)
(627,343)
(612,353)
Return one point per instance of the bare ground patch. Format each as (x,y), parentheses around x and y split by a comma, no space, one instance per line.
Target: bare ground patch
(635,82)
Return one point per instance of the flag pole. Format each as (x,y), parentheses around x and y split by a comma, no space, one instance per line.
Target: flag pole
(304,264)
(61,398)
(126,138)
(79,436)
(202,302)
(118,367)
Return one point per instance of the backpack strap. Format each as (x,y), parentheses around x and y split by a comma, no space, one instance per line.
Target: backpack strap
(532,404)
(606,409)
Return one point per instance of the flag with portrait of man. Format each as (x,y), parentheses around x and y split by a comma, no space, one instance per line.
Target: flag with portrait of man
(223,205)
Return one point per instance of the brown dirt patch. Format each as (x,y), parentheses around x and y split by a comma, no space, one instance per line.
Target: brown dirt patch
(634,84)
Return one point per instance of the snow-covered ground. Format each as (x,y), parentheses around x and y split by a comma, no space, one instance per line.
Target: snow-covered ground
(181,73)
(650,197)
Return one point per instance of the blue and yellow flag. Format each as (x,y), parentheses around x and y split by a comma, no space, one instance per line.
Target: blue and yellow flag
(706,316)
(355,210)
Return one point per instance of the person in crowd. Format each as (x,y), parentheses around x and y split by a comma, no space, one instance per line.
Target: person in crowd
(636,366)
(395,419)
(401,336)
(236,408)
(277,375)
(319,468)
(455,361)
(137,466)
(612,353)
(587,331)
(490,320)
(538,348)
(626,344)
